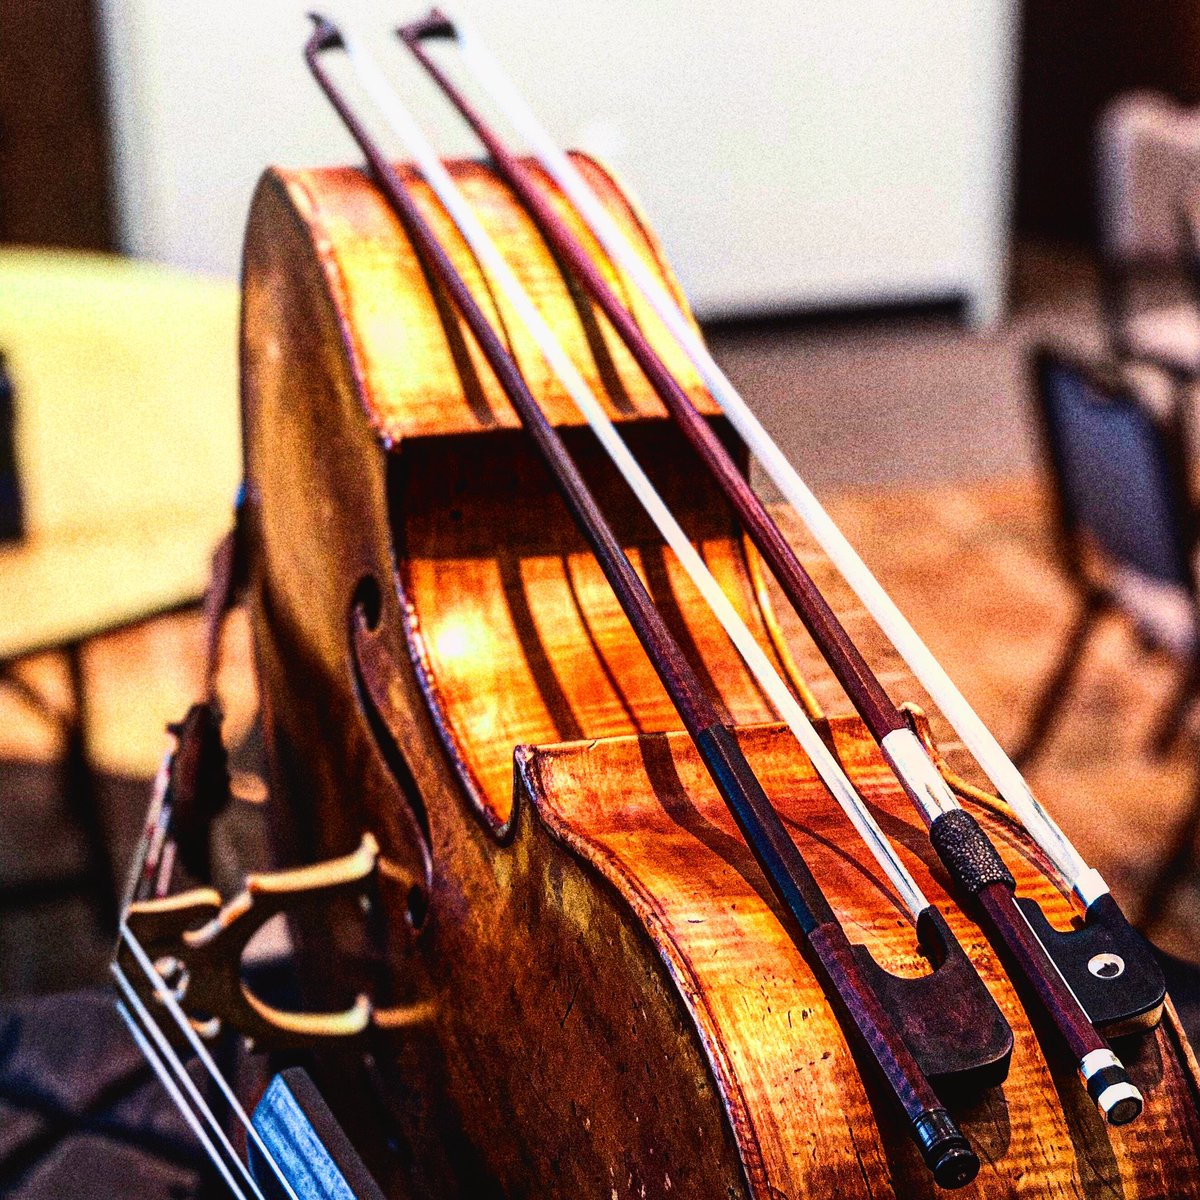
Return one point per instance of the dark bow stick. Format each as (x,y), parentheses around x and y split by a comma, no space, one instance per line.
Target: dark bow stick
(942,1145)
(961,843)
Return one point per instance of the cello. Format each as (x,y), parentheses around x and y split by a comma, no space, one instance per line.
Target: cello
(589,982)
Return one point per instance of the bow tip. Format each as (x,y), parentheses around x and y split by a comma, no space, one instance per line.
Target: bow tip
(325,35)
(435,24)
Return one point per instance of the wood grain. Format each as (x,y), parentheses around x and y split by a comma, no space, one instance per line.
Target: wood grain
(621,1012)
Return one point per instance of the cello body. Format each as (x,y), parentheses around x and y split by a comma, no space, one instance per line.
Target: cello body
(618,1009)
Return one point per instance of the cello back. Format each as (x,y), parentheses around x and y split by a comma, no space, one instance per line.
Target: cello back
(620,1010)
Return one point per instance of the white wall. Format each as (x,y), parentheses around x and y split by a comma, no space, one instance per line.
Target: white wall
(789,154)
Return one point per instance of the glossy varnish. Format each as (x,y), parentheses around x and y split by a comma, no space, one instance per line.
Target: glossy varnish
(621,1012)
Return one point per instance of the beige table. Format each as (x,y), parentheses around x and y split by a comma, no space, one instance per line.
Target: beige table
(125,377)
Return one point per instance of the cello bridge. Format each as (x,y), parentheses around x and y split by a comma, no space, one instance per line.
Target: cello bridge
(183,954)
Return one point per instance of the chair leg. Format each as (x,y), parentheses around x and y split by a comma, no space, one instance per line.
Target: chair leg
(80,794)
(1180,860)
(1171,722)
(1054,690)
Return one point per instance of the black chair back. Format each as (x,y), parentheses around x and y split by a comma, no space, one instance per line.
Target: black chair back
(1120,473)
(11,509)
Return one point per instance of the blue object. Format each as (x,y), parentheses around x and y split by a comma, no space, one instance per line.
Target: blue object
(308,1145)
(1119,474)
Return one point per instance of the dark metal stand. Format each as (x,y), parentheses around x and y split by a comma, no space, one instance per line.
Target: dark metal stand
(1054,691)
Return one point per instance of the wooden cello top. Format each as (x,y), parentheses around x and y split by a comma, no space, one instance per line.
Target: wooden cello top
(419,378)
(517,644)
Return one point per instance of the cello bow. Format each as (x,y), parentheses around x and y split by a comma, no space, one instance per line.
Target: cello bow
(1060,970)
(944,1149)
(973,1044)
(1088,890)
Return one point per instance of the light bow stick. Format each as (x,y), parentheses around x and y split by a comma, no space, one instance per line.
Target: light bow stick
(1075,975)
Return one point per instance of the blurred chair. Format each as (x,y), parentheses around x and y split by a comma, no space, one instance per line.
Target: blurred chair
(1127,531)
(1147,170)
(125,385)
(11,519)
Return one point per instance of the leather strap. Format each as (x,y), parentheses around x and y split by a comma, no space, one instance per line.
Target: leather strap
(225,582)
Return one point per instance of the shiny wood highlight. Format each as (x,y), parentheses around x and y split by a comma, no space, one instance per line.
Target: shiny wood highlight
(619,1008)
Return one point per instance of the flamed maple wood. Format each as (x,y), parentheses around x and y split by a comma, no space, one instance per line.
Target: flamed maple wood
(620,1010)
